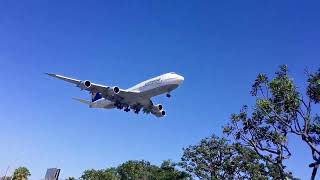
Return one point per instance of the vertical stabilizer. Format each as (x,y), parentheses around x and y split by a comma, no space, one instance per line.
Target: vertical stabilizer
(95,96)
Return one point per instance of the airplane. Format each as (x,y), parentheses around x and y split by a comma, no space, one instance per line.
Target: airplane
(136,98)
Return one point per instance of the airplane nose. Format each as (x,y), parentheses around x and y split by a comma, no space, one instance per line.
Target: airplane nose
(181,79)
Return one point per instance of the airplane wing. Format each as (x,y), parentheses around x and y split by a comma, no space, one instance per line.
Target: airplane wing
(149,107)
(106,91)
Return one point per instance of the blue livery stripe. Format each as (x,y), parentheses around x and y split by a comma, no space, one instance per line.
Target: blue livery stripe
(96,97)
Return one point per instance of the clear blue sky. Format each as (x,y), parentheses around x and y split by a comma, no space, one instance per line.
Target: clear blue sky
(219,46)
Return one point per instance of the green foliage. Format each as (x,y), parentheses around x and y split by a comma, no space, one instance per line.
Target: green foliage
(106,174)
(205,159)
(71,178)
(168,171)
(214,158)
(315,130)
(313,90)
(262,136)
(137,170)
(280,109)
(248,163)
(21,173)
(265,127)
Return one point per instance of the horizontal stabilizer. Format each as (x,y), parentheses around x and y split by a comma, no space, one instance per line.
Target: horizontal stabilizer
(82,101)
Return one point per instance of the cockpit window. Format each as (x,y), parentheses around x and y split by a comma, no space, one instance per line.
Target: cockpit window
(172,73)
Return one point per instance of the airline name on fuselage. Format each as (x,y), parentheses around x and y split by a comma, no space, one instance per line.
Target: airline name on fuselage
(153,82)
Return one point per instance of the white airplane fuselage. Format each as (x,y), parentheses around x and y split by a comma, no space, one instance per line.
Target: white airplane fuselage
(153,87)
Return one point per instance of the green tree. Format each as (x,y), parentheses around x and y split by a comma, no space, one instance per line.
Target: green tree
(214,158)
(137,170)
(107,174)
(247,164)
(310,132)
(289,110)
(71,178)
(270,144)
(21,173)
(168,171)
(262,132)
(280,109)
(111,174)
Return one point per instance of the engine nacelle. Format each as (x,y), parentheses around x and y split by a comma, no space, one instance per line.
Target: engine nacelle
(85,84)
(116,89)
(160,107)
(163,113)
(159,113)
(157,108)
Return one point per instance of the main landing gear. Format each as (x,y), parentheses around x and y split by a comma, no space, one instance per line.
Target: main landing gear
(137,111)
(136,108)
(127,109)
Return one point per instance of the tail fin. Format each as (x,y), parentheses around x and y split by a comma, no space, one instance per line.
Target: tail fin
(82,101)
(95,96)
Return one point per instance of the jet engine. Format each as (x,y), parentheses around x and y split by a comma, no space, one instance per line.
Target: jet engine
(160,107)
(157,108)
(159,113)
(116,89)
(85,84)
(163,113)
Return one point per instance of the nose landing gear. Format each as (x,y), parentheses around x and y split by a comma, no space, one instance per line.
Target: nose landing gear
(168,95)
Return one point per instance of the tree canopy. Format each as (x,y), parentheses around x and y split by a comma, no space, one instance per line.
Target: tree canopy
(137,170)
(215,158)
(71,178)
(21,173)
(280,109)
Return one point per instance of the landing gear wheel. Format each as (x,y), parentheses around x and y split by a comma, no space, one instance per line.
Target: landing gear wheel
(137,111)
(168,95)
(126,109)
